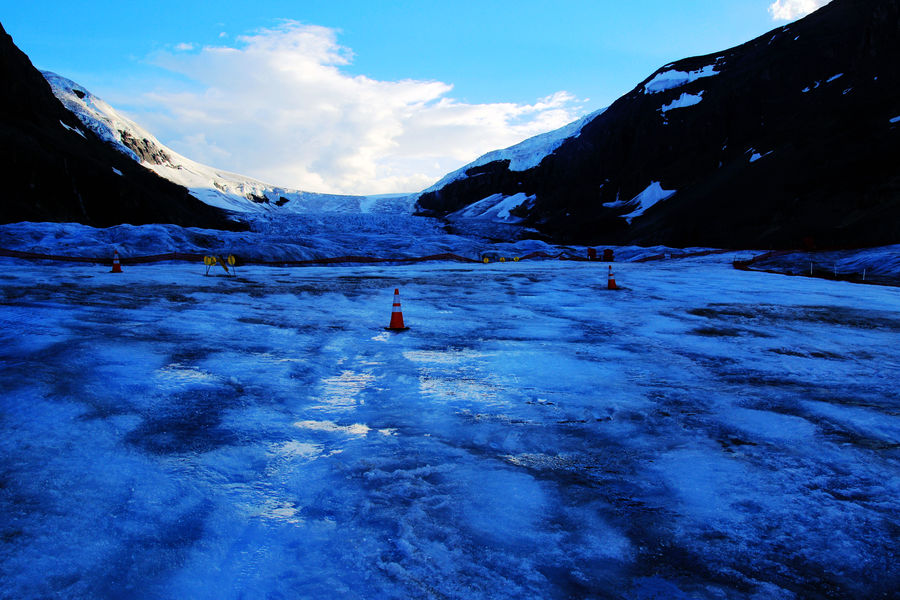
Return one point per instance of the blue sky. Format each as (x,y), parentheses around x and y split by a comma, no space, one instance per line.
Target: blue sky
(500,70)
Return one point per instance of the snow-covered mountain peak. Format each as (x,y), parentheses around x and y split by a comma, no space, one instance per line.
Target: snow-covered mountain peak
(525,154)
(215,187)
(93,112)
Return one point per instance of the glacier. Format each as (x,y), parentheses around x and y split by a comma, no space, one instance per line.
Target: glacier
(703,433)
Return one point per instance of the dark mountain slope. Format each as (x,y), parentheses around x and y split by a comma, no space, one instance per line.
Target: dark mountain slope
(812,104)
(54,169)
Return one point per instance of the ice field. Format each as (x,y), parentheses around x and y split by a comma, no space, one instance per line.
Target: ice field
(703,433)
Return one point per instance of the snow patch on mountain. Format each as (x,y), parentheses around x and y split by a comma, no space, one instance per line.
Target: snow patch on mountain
(755,156)
(495,208)
(668,80)
(73,129)
(684,100)
(524,155)
(815,85)
(651,195)
(94,113)
(222,189)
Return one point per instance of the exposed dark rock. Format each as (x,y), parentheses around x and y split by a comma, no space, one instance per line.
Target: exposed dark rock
(55,169)
(812,103)
(146,149)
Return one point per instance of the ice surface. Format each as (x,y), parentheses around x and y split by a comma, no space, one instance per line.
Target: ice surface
(288,237)
(703,433)
(291,237)
(668,80)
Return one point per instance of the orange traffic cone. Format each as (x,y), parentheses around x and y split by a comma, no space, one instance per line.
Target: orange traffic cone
(117,268)
(611,282)
(396,315)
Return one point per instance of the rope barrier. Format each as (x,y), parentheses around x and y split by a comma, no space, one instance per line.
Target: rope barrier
(747,265)
(682,255)
(192,257)
(133,260)
(36,256)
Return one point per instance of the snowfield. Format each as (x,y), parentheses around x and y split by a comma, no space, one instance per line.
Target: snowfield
(703,433)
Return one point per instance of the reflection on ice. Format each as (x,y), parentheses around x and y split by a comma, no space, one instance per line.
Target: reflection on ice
(176,375)
(280,511)
(455,374)
(295,449)
(450,356)
(357,429)
(448,387)
(542,461)
(341,391)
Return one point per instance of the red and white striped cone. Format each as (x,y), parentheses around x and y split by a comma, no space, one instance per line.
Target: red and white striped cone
(611,282)
(396,315)
(117,268)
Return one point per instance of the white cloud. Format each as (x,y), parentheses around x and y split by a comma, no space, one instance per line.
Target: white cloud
(281,106)
(184,47)
(788,10)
